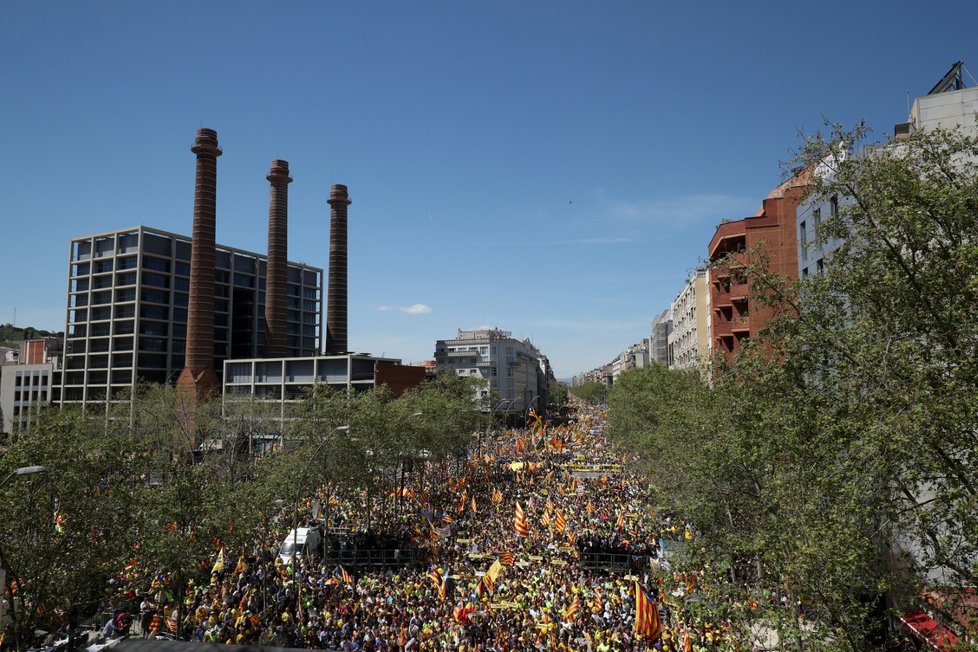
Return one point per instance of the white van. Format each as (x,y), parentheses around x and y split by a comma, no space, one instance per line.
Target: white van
(304,539)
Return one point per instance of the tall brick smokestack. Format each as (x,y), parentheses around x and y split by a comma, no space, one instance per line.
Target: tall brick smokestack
(336,297)
(278,251)
(198,377)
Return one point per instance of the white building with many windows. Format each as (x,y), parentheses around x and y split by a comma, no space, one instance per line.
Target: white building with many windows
(689,341)
(510,368)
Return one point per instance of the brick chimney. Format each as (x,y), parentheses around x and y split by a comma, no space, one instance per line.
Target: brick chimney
(278,250)
(198,378)
(336,306)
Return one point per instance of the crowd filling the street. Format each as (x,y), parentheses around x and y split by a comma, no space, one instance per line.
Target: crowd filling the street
(541,538)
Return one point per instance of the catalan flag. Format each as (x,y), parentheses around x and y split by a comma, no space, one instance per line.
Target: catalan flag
(597,603)
(497,496)
(346,576)
(560,522)
(620,524)
(545,519)
(487,584)
(434,575)
(475,508)
(519,522)
(507,558)
(571,609)
(443,587)
(460,507)
(647,621)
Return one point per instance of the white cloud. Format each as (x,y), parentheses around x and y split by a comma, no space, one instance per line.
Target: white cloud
(416,309)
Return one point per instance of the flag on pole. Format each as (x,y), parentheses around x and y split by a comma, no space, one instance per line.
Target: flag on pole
(434,575)
(568,613)
(647,621)
(346,576)
(519,522)
(443,587)
(560,522)
(219,564)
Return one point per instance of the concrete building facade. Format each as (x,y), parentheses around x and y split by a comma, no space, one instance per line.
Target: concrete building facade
(127,311)
(509,368)
(689,341)
(661,328)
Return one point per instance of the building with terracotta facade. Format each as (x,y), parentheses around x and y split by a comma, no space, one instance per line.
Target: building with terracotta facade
(770,235)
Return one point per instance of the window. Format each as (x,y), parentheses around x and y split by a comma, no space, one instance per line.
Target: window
(156,296)
(834,206)
(156,280)
(125,295)
(817,214)
(819,267)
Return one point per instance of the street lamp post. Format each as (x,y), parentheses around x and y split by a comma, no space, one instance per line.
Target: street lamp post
(298,494)
(400,490)
(23,470)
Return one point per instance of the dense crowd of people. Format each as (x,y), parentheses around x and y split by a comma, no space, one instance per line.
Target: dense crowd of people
(481,585)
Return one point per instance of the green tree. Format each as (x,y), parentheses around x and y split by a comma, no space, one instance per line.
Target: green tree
(591,392)
(65,532)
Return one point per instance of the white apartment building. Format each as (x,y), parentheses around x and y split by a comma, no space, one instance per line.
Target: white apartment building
(510,368)
(947,105)
(689,341)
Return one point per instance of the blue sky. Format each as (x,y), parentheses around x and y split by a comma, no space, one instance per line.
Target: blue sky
(551,168)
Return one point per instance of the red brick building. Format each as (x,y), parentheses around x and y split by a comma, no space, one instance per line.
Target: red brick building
(769,235)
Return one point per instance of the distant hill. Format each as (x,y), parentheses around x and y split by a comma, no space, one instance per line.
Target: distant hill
(11,336)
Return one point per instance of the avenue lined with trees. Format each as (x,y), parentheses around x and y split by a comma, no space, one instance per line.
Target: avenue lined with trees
(834,462)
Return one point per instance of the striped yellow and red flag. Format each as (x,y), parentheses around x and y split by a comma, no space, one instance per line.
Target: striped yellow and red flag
(571,609)
(545,519)
(647,621)
(521,445)
(460,507)
(488,583)
(597,603)
(346,576)
(474,507)
(590,507)
(497,496)
(507,558)
(560,522)
(519,522)
(620,524)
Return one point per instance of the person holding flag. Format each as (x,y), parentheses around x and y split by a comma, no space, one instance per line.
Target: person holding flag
(647,621)
(519,522)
